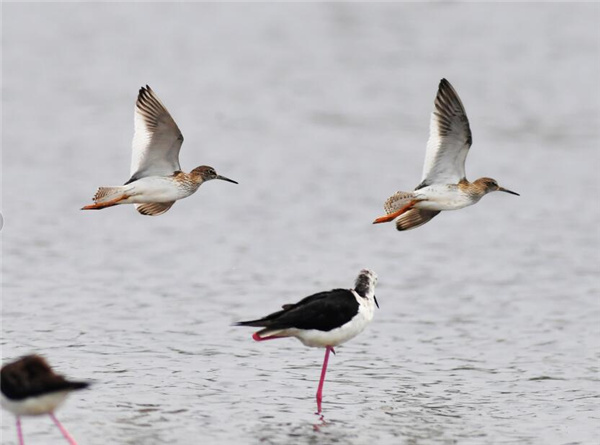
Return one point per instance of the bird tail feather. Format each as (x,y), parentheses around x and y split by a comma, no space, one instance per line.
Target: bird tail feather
(106,194)
(107,197)
(397,201)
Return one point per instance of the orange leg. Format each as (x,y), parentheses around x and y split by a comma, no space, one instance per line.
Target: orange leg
(391,216)
(101,205)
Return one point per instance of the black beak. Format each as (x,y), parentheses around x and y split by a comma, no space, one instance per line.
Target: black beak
(376,304)
(502,189)
(223,178)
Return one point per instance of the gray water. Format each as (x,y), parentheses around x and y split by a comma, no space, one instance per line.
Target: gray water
(490,317)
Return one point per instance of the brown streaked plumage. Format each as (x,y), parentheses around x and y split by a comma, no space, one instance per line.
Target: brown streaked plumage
(156,180)
(443,185)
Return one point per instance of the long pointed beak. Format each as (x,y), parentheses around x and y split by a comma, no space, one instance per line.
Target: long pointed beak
(376,304)
(226,179)
(502,189)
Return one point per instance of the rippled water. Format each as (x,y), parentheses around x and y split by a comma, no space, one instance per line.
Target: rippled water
(489,321)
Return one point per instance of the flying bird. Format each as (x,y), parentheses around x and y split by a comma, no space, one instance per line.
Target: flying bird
(443,184)
(31,388)
(325,320)
(157,180)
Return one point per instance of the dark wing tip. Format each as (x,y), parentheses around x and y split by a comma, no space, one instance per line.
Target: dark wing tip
(449,107)
(255,323)
(145,93)
(78,385)
(415,218)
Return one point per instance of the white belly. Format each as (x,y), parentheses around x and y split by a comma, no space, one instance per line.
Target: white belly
(156,189)
(443,197)
(34,406)
(337,336)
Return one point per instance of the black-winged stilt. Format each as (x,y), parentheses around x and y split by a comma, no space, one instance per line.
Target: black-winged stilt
(325,319)
(31,388)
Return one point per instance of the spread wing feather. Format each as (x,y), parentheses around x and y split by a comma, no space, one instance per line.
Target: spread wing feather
(414,218)
(449,139)
(157,139)
(154,208)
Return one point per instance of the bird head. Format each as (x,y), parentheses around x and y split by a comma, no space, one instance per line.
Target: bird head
(206,173)
(365,284)
(489,185)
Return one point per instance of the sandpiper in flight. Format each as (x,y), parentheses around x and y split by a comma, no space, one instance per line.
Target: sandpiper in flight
(443,185)
(325,319)
(156,178)
(31,388)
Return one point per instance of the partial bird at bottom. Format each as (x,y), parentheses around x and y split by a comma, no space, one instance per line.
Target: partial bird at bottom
(31,388)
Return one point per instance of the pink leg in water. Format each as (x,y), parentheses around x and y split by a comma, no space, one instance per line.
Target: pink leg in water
(19,431)
(328,349)
(63,430)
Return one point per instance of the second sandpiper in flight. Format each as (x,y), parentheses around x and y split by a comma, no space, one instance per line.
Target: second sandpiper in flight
(443,184)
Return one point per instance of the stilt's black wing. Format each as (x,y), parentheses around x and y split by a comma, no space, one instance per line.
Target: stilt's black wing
(31,376)
(323,311)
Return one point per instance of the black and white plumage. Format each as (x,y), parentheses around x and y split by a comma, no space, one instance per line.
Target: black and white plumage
(30,388)
(325,319)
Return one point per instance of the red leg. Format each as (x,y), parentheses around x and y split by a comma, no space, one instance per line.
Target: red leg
(328,349)
(394,215)
(19,431)
(63,430)
(112,202)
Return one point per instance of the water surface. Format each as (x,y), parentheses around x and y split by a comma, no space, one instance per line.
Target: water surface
(489,321)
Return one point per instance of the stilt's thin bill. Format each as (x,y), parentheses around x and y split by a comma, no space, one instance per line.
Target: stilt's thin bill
(223,178)
(502,189)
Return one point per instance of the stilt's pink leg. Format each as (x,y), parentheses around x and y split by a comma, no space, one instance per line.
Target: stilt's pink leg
(63,430)
(19,431)
(328,349)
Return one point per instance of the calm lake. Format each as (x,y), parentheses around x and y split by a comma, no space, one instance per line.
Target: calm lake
(489,326)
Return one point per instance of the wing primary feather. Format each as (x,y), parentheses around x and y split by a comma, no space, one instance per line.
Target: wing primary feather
(157,139)
(449,139)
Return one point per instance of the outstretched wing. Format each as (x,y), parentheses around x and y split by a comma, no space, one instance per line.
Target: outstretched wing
(154,208)
(414,218)
(449,139)
(157,139)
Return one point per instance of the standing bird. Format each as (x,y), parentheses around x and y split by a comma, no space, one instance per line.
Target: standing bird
(443,185)
(31,388)
(324,320)
(156,178)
